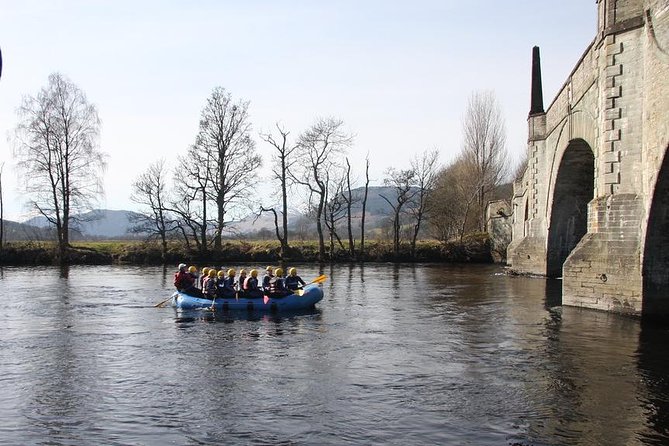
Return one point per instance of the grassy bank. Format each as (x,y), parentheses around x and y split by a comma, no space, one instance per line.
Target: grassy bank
(472,249)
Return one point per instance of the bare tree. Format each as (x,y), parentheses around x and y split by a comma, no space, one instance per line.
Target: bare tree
(521,167)
(425,169)
(150,191)
(335,207)
(484,146)
(320,147)
(57,152)
(191,199)
(451,203)
(348,199)
(283,161)
(402,182)
(224,135)
(364,209)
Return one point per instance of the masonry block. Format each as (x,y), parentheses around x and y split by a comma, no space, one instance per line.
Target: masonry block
(612,113)
(613,135)
(613,92)
(611,157)
(613,70)
(614,48)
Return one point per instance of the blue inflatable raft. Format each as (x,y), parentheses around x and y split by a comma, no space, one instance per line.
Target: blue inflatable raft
(307,298)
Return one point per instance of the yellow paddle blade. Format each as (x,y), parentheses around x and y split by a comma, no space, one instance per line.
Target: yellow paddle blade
(320,279)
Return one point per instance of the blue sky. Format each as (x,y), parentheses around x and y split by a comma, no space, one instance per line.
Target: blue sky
(398,73)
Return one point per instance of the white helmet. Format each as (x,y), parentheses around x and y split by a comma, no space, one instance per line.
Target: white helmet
(182,265)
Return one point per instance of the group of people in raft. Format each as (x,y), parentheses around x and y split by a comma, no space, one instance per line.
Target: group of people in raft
(214,283)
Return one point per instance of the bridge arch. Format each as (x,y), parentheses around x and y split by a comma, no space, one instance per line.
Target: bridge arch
(573,188)
(655,269)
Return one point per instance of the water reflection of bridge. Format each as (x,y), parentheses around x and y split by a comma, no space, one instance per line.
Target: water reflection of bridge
(593,204)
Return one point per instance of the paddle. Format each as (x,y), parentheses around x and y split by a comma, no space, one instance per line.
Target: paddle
(320,279)
(161,304)
(300,291)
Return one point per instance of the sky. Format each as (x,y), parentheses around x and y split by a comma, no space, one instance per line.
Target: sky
(398,73)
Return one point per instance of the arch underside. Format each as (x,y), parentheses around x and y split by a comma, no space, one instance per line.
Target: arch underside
(573,190)
(656,249)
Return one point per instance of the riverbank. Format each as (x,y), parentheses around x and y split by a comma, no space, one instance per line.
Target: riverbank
(474,248)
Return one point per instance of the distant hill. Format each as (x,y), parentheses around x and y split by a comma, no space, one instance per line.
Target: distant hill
(109,224)
(99,223)
(21,231)
(376,207)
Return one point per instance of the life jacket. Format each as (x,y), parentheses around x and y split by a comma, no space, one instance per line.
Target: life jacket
(277,285)
(266,281)
(210,287)
(251,284)
(294,282)
(182,280)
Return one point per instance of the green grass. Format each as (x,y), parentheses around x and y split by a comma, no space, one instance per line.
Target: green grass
(473,248)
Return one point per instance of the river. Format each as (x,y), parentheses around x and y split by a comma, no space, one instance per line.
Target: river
(394,354)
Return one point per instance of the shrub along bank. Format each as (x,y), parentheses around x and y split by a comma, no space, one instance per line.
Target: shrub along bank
(474,248)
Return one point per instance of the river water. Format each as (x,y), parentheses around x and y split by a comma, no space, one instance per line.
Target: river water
(394,354)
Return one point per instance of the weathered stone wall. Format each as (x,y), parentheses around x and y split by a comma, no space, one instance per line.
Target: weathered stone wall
(603,272)
(498,227)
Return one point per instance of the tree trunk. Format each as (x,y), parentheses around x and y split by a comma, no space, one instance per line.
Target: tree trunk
(219,222)
(396,233)
(284,197)
(319,223)
(203,228)
(276,229)
(65,234)
(163,253)
(416,229)
(351,244)
(364,211)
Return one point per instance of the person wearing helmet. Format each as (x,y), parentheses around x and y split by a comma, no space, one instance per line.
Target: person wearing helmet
(293,281)
(277,284)
(204,276)
(220,282)
(269,274)
(240,282)
(192,270)
(250,285)
(227,286)
(209,286)
(184,282)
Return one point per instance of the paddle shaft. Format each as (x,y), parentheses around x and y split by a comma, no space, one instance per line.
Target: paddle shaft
(319,279)
(160,304)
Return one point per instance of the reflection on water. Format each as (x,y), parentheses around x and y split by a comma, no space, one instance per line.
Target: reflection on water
(394,354)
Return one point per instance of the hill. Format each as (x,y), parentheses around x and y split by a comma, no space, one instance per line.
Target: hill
(377,210)
(99,223)
(110,224)
(21,231)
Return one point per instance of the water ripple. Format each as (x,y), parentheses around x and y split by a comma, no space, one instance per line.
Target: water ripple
(474,358)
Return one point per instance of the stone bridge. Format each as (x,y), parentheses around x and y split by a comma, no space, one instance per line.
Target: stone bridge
(593,204)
